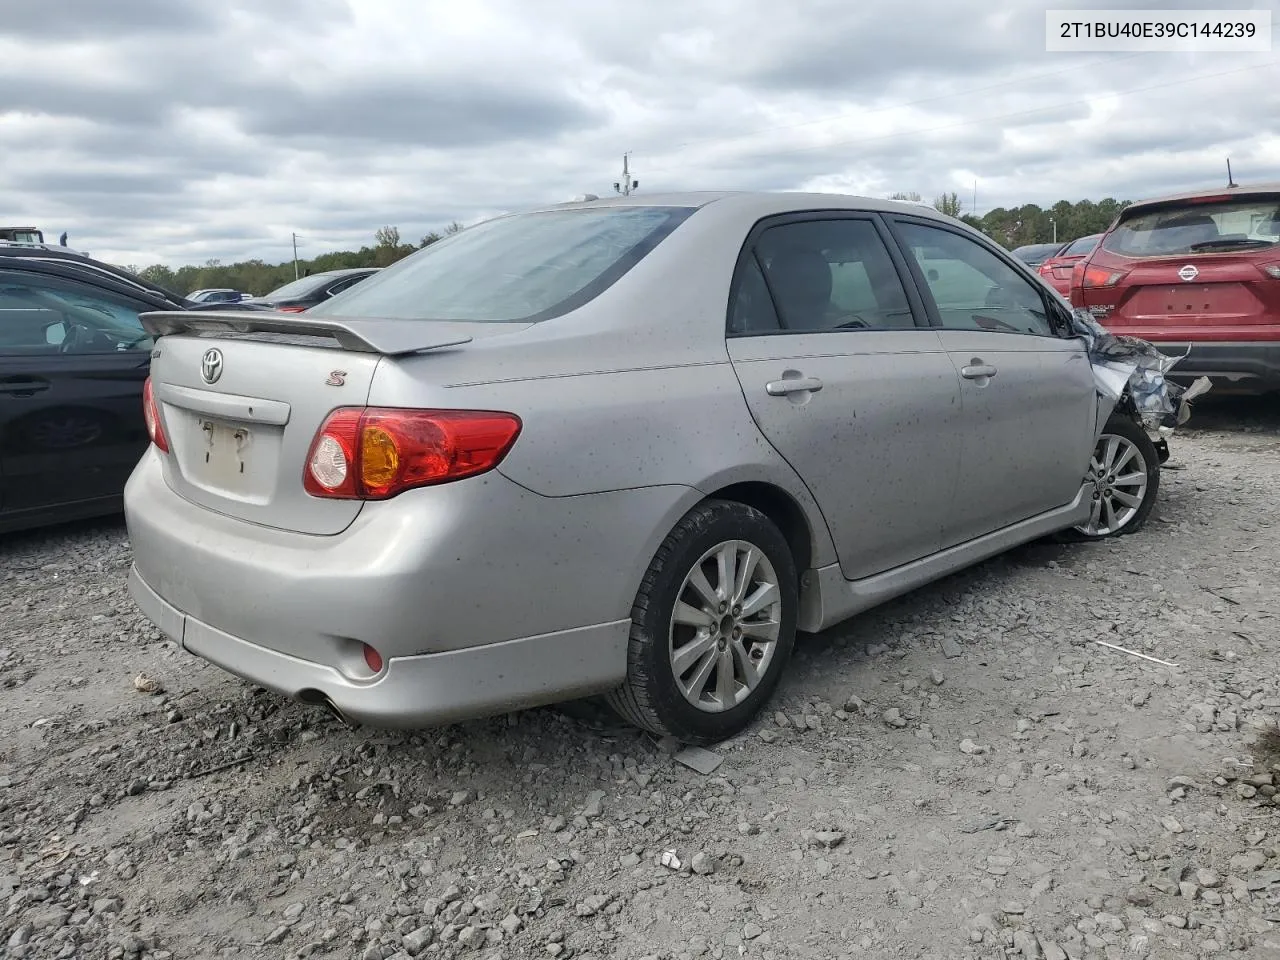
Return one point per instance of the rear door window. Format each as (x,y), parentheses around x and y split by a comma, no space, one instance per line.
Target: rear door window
(821,275)
(1186,229)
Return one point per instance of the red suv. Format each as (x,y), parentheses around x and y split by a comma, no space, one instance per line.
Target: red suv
(1057,269)
(1199,271)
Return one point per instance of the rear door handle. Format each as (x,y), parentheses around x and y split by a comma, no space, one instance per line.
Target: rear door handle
(780,388)
(976,371)
(24,387)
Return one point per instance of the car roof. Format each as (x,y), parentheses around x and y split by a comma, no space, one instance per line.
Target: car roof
(78,266)
(760,203)
(345,271)
(1243,190)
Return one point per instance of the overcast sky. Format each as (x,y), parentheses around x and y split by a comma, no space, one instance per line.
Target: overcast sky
(181,130)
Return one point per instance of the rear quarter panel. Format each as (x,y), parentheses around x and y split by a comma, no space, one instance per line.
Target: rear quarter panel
(633,390)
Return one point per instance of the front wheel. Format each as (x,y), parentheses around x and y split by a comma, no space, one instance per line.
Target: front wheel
(1124,479)
(712,626)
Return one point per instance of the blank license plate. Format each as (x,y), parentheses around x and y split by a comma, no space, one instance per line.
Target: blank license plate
(223,462)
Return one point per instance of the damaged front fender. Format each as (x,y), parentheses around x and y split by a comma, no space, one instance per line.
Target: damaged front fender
(1129,375)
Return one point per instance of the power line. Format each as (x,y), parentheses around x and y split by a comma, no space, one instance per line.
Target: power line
(1010,116)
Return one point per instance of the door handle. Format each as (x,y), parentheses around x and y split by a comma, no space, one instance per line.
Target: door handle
(780,388)
(977,371)
(24,388)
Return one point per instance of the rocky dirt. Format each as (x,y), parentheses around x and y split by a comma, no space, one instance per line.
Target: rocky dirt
(964,773)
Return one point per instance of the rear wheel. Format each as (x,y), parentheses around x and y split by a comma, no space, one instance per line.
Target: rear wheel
(712,627)
(1124,474)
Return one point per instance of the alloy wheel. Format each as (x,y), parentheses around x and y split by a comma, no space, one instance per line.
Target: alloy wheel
(1118,474)
(725,626)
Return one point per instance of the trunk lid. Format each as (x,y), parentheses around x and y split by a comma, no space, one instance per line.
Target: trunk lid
(241,397)
(1197,291)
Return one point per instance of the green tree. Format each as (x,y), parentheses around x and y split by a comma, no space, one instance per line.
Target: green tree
(948,204)
(910,196)
(453,228)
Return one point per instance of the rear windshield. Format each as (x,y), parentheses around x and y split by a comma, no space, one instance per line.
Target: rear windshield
(1215,227)
(299,288)
(1034,253)
(1078,248)
(528,267)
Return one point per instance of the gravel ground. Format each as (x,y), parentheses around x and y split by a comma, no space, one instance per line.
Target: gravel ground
(961,774)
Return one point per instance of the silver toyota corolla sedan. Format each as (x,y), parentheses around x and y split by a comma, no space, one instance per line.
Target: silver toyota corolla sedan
(624,447)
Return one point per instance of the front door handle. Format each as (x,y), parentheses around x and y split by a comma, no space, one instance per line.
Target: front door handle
(780,388)
(977,371)
(23,386)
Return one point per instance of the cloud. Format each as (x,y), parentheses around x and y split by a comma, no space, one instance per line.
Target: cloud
(429,113)
(84,19)
(180,130)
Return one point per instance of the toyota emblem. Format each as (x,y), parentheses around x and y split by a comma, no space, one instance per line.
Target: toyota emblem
(1189,272)
(211,365)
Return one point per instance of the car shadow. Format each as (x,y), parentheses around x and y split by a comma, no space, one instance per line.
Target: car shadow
(1234,414)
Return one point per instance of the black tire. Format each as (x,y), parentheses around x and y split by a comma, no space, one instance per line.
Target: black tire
(1123,426)
(650,698)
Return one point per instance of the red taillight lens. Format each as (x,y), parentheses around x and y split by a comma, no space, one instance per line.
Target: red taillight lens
(1101,277)
(375,453)
(151,414)
(1046,268)
(290,309)
(372,658)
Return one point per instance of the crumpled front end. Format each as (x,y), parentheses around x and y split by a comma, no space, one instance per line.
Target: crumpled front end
(1130,374)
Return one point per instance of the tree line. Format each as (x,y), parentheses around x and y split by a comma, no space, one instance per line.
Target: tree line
(1012,227)
(258,277)
(1018,226)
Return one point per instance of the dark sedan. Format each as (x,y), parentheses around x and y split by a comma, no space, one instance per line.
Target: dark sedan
(73,359)
(312,289)
(1034,254)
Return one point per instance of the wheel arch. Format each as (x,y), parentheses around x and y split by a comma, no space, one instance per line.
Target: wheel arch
(781,508)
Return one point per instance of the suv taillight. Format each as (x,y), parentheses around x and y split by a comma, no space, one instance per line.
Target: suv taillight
(374,453)
(1101,277)
(151,414)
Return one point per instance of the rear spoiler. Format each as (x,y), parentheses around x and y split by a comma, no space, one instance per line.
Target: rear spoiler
(386,337)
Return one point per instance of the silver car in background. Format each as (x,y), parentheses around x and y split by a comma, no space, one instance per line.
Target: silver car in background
(624,447)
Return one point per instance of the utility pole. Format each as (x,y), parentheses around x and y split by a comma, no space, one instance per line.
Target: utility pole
(626,184)
(295,256)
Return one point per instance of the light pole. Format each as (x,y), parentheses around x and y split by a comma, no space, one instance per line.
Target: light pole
(1055,229)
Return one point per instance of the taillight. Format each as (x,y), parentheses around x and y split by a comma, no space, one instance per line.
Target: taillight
(374,453)
(290,309)
(1273,270)
(1101,277)
(151,414)
(1046,268)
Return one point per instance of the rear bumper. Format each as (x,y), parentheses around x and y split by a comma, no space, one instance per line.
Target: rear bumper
(1247,366)
(480,596)
(415,691)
